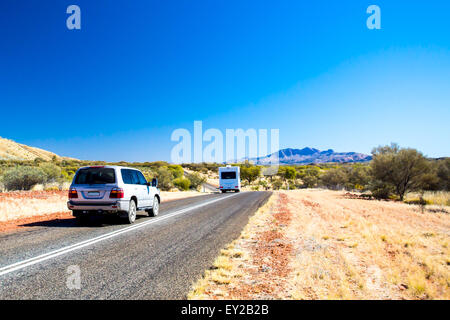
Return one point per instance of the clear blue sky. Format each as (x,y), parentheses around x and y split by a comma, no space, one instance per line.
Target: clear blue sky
(137,70)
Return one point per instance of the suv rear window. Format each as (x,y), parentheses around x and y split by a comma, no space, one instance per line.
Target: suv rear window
(95,176)
(228,175)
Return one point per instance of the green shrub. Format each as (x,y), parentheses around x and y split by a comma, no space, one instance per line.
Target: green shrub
(334,179)
(381,190)
(250,172)
(309,181)
(404,169)
(165,178)
(182,183)
(176,170)
(196,180)
(23,178)
(277,184)
(52,172)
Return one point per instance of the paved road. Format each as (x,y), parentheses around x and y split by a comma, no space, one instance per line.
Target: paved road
(156,258)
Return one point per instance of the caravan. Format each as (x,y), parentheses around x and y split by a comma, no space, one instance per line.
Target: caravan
(229,179)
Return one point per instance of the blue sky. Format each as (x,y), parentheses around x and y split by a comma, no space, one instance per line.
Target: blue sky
(137,70)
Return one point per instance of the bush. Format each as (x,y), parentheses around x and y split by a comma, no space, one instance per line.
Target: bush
(263,184)
(52,172)
(309,181)
(250,173)
(165,178)
(381,190)
(277,184)
(196,180)
(23,178)
(334,179)
(182,183)
(176,170)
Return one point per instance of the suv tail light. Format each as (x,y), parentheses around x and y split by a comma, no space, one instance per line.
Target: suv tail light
(73,194)
(116,193)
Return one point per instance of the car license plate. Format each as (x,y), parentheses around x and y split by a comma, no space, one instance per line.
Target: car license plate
(93,193)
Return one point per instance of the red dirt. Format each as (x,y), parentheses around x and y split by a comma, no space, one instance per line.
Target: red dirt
(271,255)
(21,223)
(31,194)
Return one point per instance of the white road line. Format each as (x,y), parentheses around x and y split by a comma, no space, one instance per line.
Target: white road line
(53,254)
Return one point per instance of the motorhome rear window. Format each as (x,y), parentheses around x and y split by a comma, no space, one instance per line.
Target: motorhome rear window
(228,175)
(95,176)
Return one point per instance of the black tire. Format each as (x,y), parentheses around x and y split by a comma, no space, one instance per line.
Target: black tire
(130,217)
(153,212)
(82,219)
(223,191)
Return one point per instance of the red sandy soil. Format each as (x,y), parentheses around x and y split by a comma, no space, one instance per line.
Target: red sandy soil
(21,223)
(31,194)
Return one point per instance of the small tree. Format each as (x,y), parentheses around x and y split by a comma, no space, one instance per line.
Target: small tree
(250,173)
(288,174)
(264,184)
(443,174)
(402,169)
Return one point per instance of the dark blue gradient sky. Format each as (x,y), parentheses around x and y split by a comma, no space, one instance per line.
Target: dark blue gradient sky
(137,70)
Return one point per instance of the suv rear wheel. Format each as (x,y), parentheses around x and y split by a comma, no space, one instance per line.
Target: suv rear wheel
(131,216)
(82,219)
(153,212)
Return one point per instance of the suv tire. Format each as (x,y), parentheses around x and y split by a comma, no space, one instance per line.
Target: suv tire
(153,212)
(131,214)
(81,219)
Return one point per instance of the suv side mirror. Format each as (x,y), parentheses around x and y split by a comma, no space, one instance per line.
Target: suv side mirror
(154,182)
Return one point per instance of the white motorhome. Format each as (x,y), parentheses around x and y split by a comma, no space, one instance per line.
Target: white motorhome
(229,179)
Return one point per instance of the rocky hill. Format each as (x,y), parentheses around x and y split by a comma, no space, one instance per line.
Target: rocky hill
(11,150)
(312,155)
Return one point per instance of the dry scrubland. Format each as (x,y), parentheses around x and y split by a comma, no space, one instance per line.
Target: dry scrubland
(314,244)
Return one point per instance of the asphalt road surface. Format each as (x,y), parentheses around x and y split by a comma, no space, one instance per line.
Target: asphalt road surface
(155,258)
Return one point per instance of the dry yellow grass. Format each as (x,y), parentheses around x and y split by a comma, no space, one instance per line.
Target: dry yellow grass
(440,198)
(349,249)
(11,150)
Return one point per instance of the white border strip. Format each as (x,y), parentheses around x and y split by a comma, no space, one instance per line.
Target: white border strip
(53,254)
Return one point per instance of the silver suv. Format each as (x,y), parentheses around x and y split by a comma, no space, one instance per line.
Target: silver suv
(112,190)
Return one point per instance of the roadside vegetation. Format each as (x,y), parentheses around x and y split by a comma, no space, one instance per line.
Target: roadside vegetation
(57,174)
(394,174)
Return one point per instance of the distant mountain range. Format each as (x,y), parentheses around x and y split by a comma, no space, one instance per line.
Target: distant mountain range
(311,156)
